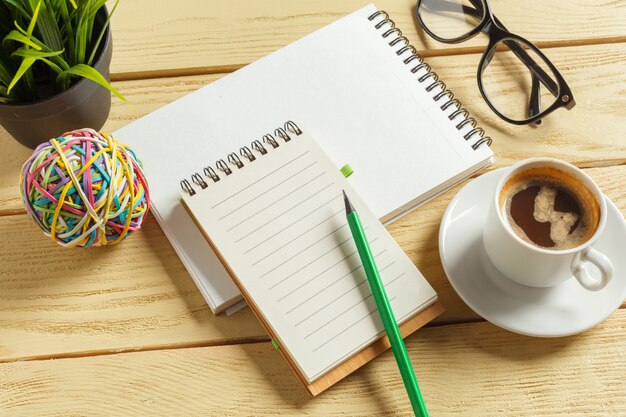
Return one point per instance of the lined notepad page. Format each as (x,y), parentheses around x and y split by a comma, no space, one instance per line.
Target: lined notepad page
(279,225)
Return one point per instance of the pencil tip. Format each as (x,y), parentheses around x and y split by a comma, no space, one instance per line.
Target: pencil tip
(349,207)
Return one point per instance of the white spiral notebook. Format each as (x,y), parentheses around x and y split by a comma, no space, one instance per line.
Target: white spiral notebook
(364,94)
(275,215)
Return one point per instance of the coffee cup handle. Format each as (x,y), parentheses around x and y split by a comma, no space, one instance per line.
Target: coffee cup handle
(597,258)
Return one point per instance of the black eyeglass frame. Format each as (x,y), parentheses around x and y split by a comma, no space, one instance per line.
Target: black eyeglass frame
(498,33)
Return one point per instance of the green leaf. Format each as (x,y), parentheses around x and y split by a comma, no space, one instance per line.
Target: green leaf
(60,34)
(49,29)
(102,32)
(29,53)
(39,55)
(14,35)
(33,21)
(82,39)
(17,6)
(85,71)
(68,28)
(24,66)
(95,7)
(4,95)
(54,67)
(5,75)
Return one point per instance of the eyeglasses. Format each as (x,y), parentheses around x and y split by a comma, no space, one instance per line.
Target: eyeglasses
(518,82)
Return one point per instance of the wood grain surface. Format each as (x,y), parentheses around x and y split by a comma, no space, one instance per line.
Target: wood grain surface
(201,37)
(591,134)
(469,370)
(56,302)
(123,330)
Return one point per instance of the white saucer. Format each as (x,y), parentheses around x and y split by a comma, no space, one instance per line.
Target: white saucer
(561,310)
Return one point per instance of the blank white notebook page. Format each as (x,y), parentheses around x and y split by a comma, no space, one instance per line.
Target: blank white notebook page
(279,224)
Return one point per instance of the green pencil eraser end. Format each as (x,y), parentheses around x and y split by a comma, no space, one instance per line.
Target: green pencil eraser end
(346,170)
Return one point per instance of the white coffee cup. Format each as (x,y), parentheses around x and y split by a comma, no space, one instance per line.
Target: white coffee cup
(532,265)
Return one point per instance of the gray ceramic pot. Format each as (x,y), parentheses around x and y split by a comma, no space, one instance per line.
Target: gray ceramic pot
(85,104)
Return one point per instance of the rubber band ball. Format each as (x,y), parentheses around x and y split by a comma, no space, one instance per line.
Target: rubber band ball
(85,189)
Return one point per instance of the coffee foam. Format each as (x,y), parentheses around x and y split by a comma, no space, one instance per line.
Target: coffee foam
(551,180)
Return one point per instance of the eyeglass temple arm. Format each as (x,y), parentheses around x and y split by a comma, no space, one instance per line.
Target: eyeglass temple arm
(534,102)
(515,48)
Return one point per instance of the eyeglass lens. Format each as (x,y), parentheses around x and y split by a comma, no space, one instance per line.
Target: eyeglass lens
(517,81)
(450,19)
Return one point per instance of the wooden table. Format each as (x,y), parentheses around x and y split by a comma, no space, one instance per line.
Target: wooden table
(123,331)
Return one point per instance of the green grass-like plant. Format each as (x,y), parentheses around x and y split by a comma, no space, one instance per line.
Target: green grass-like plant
(47,46)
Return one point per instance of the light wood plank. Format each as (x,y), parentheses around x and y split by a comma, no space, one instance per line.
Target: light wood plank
(129,296)
(589,135)
(470,370)
(137,295)
(224,34)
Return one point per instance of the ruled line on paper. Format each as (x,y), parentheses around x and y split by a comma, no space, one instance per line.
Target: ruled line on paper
(311,262)
(358,284)
(393,280)
(267,191)
(284,212)
(319,292)
(324,271)
(304,249)
(329,285)
(350,326)
(256,212)
(346,310)
(260,179)
(298,253)
(295,238)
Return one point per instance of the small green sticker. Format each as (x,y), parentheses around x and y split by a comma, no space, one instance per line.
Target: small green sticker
(346,170)
(275,344)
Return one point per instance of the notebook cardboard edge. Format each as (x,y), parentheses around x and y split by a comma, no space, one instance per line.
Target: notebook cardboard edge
(370,352)
(351,364)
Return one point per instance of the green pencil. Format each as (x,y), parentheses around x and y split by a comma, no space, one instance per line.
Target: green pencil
(384,308)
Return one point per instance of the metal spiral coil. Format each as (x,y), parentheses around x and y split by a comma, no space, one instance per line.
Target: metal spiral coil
(223,166)
(286,133)
(258,146)
(293,128)
(433,79)
(234,159)
(184,184)
(197,179)
(280,132)
(270,139)
(246,152)
(210,173)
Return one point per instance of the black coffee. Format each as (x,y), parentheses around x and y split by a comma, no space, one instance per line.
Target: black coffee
(549,211)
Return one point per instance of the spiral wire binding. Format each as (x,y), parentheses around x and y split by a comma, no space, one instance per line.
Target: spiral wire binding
(246,152)
(210,173)
(285,133)
(397,38)
(270,139)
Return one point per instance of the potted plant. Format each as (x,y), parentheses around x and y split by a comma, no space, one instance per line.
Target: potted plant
(54,67)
